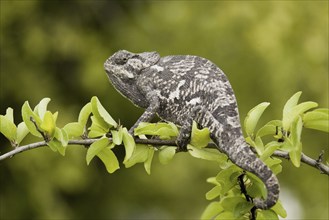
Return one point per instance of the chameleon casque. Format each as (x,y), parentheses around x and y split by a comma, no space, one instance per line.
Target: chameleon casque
(183,88)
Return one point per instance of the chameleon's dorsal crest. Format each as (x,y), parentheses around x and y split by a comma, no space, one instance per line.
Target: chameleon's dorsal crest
(150,58)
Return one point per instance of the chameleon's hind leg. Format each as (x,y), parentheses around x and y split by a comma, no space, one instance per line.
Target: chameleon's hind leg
(184,136)
(204,118)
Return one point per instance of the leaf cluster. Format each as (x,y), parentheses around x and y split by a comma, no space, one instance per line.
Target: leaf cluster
(95,123)
(286,136)
(287,132)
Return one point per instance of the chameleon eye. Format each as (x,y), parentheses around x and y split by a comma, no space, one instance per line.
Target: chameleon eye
(125,59)
(121,61)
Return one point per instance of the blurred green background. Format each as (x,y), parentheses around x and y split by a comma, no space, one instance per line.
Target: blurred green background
(269,50)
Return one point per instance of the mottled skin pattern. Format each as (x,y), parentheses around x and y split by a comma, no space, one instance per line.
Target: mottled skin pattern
(181,89)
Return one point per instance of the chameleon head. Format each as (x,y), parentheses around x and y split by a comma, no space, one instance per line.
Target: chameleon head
(126,65)
(123,69)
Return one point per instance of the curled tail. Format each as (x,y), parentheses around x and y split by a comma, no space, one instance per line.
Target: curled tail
(241,155)
(229,140)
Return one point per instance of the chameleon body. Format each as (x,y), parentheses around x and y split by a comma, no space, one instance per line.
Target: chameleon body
(183,88)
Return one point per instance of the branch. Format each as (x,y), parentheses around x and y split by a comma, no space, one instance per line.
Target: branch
(307,160)
(316,163)
(85,142)
(248,198)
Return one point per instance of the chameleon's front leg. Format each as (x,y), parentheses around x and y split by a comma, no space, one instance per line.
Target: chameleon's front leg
(149,113)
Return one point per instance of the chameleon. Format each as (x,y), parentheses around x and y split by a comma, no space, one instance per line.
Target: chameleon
(186,88)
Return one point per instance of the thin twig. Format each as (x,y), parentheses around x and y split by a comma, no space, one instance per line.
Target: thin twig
(248,198)
(45,137)
(305,159)
(316,163)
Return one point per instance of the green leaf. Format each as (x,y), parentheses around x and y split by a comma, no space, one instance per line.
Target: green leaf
(301,108)
(317,114)
(100,112)
(96,147)
(56,145)
(160,129)
(278,209)
(230,203)
(296,131)
(27,113)
(61,149)
(320,125)
(109,159)
(48,124)
(147,163)
(322,110)
(242,208)
(295,138)
(117,136)
(62,136)
(22,131)
(226,216)
(296,154)
(272,161)
(287,145)
(250,141)
(84,114)
(129,144)
(206,154)
(53,145)
(292,102)
(291,110)
(276,169)
(55,115)
(73,129)
(274,164)
(140,155)
(253,117)
(199,138)
(10,114)
(102,149)
(317,119)
(266,215)
(304,106)
(257,189)
(269,150)
(269,129)
(97,128)
(214,192)
(166,154)
(212,210)
(59,142)
(212,180)
(228,178)
(259,145)
(41,108)
(8,128)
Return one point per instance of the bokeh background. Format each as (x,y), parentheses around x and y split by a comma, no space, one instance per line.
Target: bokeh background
(268,49)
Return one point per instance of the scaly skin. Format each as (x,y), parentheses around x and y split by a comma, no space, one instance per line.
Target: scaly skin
(184,88)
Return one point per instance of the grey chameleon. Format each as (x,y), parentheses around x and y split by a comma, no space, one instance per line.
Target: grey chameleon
(183,88)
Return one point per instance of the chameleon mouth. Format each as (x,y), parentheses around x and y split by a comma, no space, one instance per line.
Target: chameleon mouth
(107,66)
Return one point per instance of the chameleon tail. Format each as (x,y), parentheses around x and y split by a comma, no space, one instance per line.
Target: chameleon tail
(229,140)
(244,157)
